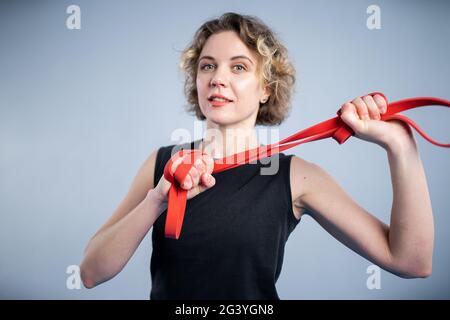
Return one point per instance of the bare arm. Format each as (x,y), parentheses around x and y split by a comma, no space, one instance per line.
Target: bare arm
(411,236)
(112,246)
(109,250)
(405,247)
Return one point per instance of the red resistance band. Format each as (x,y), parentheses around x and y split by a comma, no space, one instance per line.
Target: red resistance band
(334,128)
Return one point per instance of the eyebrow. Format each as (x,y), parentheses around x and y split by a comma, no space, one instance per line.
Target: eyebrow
(232,58)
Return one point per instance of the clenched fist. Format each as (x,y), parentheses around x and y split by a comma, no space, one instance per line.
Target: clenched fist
(364,116)
(196,181)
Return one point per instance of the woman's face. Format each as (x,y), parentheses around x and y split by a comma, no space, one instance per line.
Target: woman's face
(228,68)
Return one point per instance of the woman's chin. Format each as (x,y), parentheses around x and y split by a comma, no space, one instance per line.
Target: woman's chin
(221,122)
(220,119)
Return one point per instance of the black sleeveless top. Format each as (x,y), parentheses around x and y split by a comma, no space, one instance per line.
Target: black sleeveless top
(233,237)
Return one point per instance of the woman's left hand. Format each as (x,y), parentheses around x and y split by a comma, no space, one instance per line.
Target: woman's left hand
(363,115)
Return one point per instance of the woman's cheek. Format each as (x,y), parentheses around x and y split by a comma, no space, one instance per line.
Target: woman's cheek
(246,90)
(202,87)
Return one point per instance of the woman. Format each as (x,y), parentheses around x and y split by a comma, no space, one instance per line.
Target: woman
(237,222)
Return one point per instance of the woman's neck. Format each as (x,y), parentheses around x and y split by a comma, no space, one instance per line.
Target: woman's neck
(221,142)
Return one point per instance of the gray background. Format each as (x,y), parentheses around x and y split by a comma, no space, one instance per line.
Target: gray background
(80,110)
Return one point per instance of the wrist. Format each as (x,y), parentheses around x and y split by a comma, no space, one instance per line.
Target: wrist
(155,198)
(401,146)
(399,138)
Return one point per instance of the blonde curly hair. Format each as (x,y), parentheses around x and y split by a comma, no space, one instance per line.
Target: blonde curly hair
(275,69)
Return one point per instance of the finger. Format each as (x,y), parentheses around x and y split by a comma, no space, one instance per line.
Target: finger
(208,180)
(196,172)
(209,162)
(381,102)
(187,182)
(206,184)
(175,165)
(361,108)
(194,175)
(350,116)
(205,163)
(374,112)
(200,165)
(350,108)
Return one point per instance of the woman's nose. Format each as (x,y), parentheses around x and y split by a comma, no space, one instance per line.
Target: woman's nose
(215,82)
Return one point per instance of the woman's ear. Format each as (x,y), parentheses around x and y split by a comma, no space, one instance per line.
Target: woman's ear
(266,94)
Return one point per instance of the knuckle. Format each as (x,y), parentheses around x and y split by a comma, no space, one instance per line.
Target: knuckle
(175,165)
(372,108)
(357,100)
(194,173)
(187,183)
(209,161)
(367,99)
(377,113)
(348,105)
(200,165)
(361,107)
(380,100)
(374,113)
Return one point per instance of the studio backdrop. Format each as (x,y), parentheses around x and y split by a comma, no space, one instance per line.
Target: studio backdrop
(88,89)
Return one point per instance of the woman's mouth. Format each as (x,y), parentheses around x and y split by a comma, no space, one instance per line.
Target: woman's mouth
(217,100)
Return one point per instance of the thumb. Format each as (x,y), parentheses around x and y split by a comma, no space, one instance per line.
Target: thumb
(351,118)
(207,182)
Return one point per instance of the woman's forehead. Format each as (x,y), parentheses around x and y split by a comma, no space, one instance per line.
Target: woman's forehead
(226,45)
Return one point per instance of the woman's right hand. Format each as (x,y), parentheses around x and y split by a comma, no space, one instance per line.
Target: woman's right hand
(196,181)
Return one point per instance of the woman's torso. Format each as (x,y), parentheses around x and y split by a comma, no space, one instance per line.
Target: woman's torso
(233,237)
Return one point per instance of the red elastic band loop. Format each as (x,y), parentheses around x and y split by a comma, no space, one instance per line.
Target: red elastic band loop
(334,128)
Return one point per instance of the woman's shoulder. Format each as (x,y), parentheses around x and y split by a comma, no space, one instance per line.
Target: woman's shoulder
(308,179)
(302,174)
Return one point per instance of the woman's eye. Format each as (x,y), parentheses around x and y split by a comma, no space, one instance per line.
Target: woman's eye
(239,67)
(209,67)
(206,67)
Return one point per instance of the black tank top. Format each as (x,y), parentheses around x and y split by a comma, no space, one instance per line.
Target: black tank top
(233,237)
